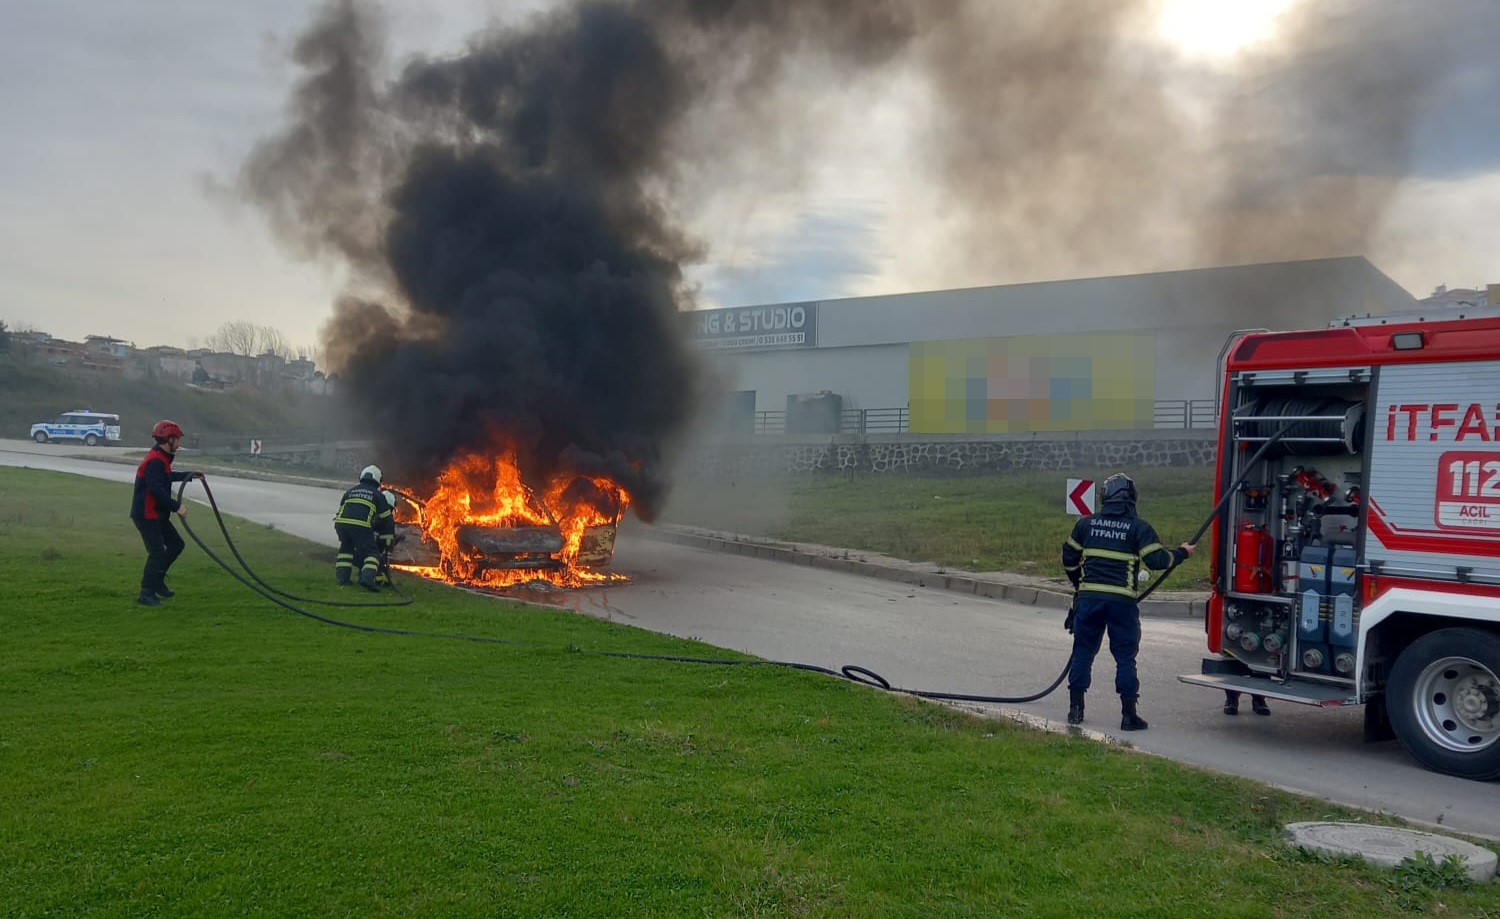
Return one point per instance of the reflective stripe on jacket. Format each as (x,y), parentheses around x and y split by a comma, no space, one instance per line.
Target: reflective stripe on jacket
(364,506)
(1106,551)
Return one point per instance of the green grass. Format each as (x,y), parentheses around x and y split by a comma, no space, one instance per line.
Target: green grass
(1010,521)
(222,757)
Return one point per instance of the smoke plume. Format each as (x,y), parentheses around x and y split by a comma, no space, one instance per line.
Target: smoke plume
(512,217)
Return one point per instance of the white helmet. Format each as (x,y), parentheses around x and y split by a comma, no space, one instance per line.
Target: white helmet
(390,498)
(371,471)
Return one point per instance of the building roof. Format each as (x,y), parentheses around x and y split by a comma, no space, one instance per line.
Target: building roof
(1270,295)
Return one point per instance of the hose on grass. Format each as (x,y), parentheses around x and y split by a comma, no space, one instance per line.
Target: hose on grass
(851,672)
(406,600)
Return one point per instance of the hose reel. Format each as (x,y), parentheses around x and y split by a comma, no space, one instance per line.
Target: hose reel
(1313,426)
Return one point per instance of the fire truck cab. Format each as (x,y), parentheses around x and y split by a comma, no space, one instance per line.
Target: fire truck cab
(1356,560)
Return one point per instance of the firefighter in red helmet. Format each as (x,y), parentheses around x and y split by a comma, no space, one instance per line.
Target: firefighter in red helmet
(151,510)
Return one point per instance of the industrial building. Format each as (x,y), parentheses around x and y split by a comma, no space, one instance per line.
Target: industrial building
(1101,354)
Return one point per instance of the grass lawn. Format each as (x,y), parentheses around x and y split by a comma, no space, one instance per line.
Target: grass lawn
(1010,521)
(222,757)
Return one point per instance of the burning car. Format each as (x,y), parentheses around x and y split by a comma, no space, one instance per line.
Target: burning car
(483,526)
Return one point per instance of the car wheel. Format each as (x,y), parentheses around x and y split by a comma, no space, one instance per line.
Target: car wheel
(90,441)
(40,437)
(1444,702)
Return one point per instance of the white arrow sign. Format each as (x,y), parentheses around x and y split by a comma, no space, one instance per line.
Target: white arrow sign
(255,448)
(1079,498)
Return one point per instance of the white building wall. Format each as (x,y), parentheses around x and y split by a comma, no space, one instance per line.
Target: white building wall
(861,351)
(868,377)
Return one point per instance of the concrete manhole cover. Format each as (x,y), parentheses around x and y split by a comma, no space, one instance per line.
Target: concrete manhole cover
(1390,846)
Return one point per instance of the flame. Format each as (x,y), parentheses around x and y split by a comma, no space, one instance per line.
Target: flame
(486,495)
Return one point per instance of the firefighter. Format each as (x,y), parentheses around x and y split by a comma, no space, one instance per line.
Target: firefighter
(151,510)
(1103,559)
(363,515)
(385,540)
(1232,703)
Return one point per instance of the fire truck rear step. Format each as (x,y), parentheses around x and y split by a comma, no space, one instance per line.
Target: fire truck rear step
(1302,693)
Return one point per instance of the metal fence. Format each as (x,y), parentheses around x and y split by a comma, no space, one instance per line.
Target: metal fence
(874,421)
(1184,414)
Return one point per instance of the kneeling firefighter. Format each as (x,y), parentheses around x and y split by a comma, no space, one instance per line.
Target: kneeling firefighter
(1103,559)
(364,516)
(385,541)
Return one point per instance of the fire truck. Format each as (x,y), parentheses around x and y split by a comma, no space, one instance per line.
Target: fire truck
(1356,549)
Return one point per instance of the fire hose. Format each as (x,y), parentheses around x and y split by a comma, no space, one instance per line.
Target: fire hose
(1223,500)
(260,585)
(851,672)
(284,599)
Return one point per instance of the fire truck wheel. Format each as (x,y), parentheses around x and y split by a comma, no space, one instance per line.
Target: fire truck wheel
(1444,702)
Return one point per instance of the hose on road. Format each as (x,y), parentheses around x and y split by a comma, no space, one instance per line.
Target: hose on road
(851,672)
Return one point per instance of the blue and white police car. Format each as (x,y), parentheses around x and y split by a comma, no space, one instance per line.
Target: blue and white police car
(90,427)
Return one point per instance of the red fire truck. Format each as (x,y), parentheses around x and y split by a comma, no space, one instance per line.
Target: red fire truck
(1356,554)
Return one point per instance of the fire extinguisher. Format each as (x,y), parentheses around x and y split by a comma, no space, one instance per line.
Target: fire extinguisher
(1252,560)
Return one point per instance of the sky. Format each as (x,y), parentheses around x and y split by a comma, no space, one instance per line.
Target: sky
(127,121)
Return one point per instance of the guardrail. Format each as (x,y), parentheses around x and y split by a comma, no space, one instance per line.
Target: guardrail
(225,443)
(1185,414)
(874,421)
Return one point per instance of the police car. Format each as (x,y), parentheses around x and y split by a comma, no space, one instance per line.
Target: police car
(90,427)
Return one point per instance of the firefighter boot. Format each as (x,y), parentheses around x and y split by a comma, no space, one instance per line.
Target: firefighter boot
(1129,720)
(1075,707)
(367,580)
(1231,702)
(148,598)
(1259,706)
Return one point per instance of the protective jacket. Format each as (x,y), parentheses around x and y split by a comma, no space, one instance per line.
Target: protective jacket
(364,506)
(1106,551)
(153,486)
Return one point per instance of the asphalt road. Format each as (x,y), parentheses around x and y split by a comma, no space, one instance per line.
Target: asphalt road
(932,639)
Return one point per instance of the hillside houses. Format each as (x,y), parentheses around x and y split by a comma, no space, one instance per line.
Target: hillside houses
(200,367)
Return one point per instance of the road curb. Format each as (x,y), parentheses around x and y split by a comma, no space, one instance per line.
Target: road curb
(851,561)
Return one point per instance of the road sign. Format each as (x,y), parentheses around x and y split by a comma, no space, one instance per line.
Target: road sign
(1080,497)
(255,448)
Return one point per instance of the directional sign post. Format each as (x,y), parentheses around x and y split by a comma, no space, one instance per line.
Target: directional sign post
(1079,499)
(255,448)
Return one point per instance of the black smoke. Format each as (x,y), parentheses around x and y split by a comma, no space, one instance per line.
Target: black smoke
(511,216)
(505,214)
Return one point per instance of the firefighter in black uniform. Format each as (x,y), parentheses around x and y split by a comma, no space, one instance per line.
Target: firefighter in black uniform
(385,540)
(1103,559)
(151,510)
(364,516)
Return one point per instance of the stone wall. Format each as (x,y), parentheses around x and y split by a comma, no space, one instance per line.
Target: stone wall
(772,456)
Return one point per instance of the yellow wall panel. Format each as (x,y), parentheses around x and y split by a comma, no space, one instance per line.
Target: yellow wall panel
(1032,384)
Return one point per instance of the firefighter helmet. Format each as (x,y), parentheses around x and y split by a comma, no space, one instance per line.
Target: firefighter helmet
(390,498)
(371,472)
(165,429)
(1119,487)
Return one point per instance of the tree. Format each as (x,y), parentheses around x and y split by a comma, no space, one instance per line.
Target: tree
(238,337)
(274,341)
(4,336)
(249,339)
